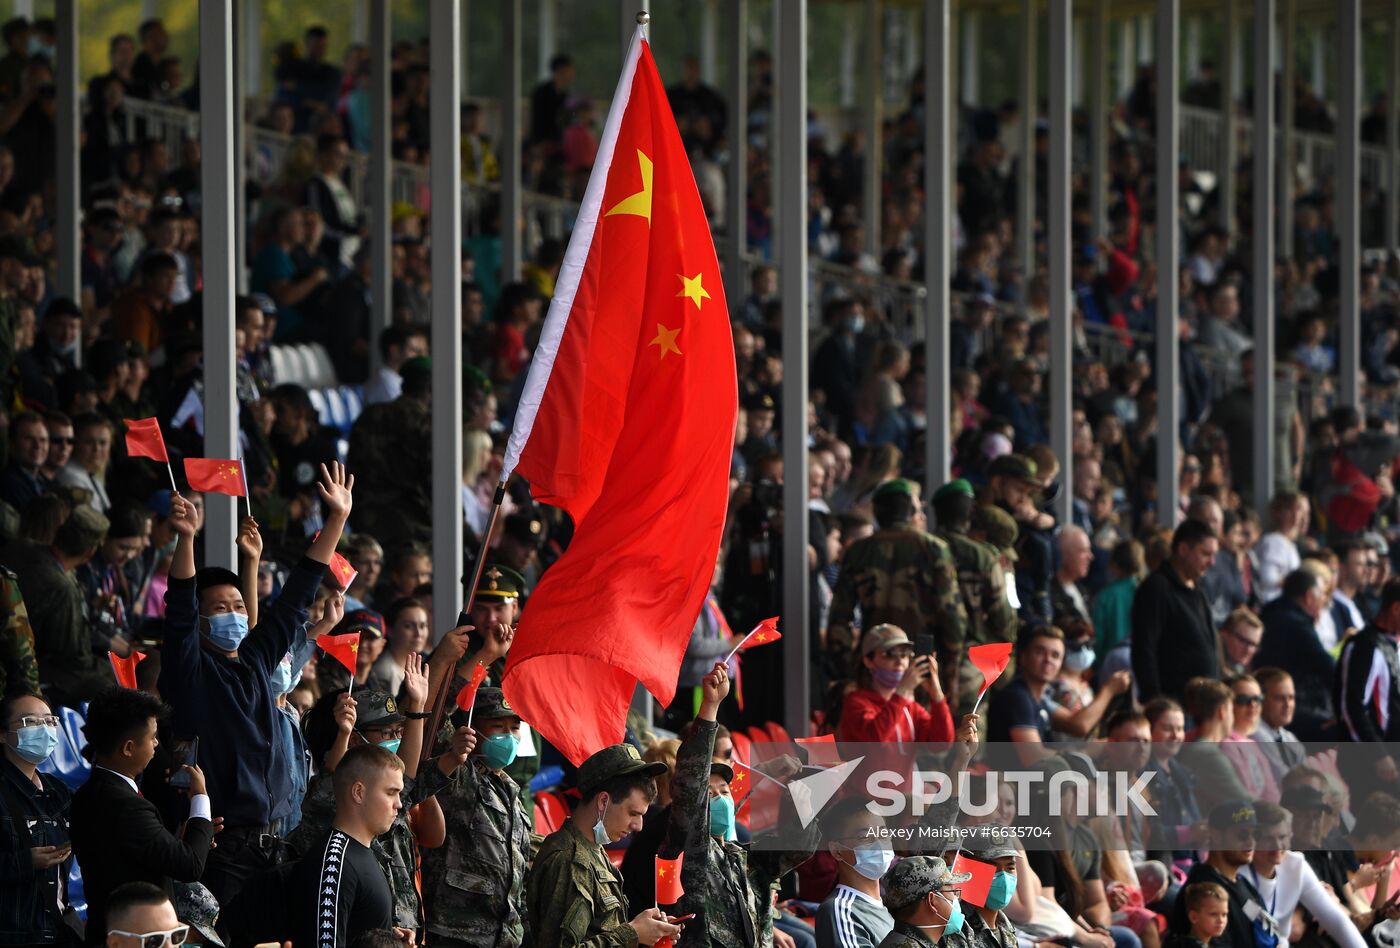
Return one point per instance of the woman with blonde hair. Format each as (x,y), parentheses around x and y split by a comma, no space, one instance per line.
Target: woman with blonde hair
(480,471)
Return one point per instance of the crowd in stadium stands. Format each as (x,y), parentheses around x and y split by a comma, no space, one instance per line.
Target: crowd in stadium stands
(275,794)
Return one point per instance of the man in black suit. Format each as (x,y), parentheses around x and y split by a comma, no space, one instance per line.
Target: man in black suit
(117,834)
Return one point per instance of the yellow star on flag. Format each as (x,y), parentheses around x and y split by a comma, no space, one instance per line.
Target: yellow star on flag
(639,203)
(666,339)
(692,290)
(355,647)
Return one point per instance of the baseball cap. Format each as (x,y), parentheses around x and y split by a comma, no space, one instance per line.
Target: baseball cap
(883,636)
(1302,796)
(1233,814)
(375,708)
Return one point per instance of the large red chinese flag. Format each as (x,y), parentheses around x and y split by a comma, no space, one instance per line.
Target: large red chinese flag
(215,474)
(627,423)
(144,440)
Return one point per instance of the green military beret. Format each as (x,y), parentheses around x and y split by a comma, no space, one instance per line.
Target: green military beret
(957,487)
(616,760)
(913,878)
(899,485)
(491,704)
(500,584)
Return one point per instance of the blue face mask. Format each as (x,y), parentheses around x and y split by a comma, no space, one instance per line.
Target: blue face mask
(227,630)
(873,860)
(1079,658)
(954,922)
(1003,888)
(499,750)
(391,746)
(36,743)
(721,816)
(283,678)
(600,832)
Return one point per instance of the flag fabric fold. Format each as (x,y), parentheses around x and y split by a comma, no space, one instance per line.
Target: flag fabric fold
(991,661)
(125,668)
(217,475)
(626,422)
(668,880)
(144,440)
(975,890)
(343,648)
(467,696)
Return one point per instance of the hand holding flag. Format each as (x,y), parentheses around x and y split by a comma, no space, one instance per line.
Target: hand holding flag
(343,572)
(761,634)
(991,661)
(975,889)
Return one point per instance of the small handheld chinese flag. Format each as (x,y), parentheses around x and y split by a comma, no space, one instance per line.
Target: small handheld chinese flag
(821,751)
(668,880)
(217,475)
(144,440)
(343,648)
(975,889)
(125,668)
(343,572)
(991,661)
(467,696)
(739,786)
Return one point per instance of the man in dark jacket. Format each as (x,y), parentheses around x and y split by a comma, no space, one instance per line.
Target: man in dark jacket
(1290,642)
(1173,637)
(1368,681)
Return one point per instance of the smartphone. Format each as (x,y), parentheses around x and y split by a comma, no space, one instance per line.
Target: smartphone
(680,918)
(180,779)
(924,643)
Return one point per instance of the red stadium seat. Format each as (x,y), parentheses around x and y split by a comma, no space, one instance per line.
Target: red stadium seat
(778,733)
(758,735)
(551,811)
(742,746)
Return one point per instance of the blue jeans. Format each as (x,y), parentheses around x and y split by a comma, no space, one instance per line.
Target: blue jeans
(799,930)
(1124,937)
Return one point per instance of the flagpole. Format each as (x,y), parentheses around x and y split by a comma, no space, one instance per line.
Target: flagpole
(736,649)
(171,471)
(440,700)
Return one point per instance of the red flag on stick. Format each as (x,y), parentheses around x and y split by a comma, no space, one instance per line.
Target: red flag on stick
(668,880)
(343,572)
(343,648)
(467,696)
(125,668)
(975,889)
(219,475)
(991,661)
(626,422)
(144,440)
(821,751)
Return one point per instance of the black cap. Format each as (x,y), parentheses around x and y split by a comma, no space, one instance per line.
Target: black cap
(721,769)
(525,528)
(1303,796)
(1233,814)
(616,760)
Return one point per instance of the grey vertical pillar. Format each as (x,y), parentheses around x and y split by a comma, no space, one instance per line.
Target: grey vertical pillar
(1263,242)
(1127,56)
(1025,183)
(1168,258)
(1287,158)
(1098,117)
(381,197)
(1057,240)
(445,136)
(736,172)
(969,62)
(938,243)
(252,53)
(874,153)
(68,238)
(1230,97)
(1077,42)
(1348,191)
(1318,42)
(709,42)
(1392,134)
(1193,46)
(512,173)
(792,260)
(548,34)
(241,42)
(359,21)
(216,109)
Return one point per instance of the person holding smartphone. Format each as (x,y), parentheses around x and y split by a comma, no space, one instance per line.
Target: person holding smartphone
(899,697)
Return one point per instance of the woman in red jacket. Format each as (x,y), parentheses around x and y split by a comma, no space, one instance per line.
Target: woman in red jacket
(883,707)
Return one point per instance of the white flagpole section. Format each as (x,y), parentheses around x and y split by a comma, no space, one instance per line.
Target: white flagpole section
(571,271)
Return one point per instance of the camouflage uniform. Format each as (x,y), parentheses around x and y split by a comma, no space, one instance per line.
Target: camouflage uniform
(981,935)
(474,884)
(391,456)
(573,893)
(905,577)
(728,888)
(19,672)
(911,880)
(990,618)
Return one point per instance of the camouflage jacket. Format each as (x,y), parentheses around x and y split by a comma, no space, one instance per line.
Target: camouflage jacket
(397,850)
(981,935)
(727,887)
(573,895)
(982,583)
(903,576)
(391,455)
(474,883)
(19,672)
(907,936)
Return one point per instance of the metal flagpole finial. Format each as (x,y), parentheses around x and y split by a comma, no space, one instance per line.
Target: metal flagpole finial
(643,18)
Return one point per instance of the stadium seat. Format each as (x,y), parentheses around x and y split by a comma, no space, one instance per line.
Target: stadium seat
(335,405)
(319,370)
(354,401)
(758,735)
(281,364)
(67,762)
(552,810)
(342,449)
(778,733)
(318,402)
(742,748)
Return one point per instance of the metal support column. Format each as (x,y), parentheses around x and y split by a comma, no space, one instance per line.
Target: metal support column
(549,33)
(512,142)
(1025,170)
(216,110)
(1127,56)
(709,42)
(241,43)
(736,172)
(627,12)
(792,256)
(252,52)
(1057,241)
(874,152)
(1098,118)
(1318,41)
(445,136)
(1348,196)
(1392,135)
(1166,369)
(381,197)
(1263,241)
(969,63)
(1193,47)
(1287,158)
(938,243)
(1230,129)
(1077,41)
(67,114)
(359,21)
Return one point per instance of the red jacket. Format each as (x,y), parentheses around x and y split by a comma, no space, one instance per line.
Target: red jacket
(868,718)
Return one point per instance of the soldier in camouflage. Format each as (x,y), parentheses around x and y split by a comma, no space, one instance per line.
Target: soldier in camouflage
(391,455)
(474,884)
(573,894)
(904,576)
(728,888)
(987,924)
(981,580)
(19,672)
(923,896)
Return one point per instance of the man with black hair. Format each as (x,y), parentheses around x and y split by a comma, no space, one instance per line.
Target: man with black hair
(55,349)
(1290,642)
(397,344)
(1174,639)
(1368,682)
(145,71)
(23,478)
(903,576)
(217,676)
(1233,829)
(549,112)
(118,835)
(139,314)
(138,910)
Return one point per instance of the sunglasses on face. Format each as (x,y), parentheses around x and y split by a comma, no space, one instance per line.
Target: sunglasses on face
(57,440)
(176,936)
(1249,699)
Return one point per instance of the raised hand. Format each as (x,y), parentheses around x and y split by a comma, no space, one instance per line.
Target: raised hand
(335,488)
(334,611)
(714,688)
(498,641)
(453,646)
(415,682)
(345,713)
(463,743)
(250,543)
(184,516)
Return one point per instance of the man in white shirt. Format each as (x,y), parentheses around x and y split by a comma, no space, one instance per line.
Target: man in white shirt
(1353,572)
(397,345)
(1277,551)
(1285,881)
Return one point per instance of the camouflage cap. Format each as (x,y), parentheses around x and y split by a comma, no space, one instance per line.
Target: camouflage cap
(196,906)
(491,704)
(85,527)
(883,636)
(915,877)
(999,527)
(1016,466)
(375,709)
(500,584)
(989,842)
(616,760)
